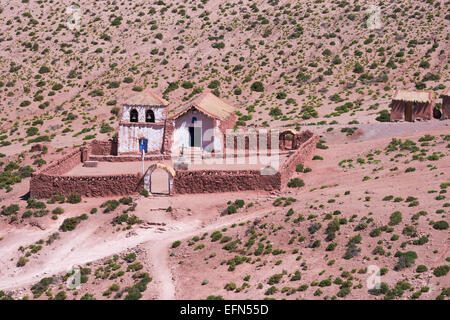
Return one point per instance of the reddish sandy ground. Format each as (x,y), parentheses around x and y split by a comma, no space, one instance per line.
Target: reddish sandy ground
(179,272)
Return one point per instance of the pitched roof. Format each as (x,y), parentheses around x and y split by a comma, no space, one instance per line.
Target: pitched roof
(413,96)
(209,104)
(146,98)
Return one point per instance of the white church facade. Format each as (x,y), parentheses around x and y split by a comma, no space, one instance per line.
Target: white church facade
(200,123)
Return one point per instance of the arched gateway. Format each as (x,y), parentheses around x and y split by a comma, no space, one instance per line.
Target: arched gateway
(148,182)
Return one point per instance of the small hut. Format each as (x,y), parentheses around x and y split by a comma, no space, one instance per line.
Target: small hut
(412,105)
(446,104)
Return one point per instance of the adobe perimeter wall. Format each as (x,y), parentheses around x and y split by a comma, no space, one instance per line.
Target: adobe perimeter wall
(103,148)
(46,185)
(210,181)
(307,144)
(50,180)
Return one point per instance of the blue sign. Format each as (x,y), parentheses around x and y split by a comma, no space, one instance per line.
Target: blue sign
(143,145)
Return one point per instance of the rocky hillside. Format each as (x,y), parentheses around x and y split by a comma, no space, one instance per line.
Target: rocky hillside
(70,67)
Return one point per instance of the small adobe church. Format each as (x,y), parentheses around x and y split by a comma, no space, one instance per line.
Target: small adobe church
(201,124)
(412,105)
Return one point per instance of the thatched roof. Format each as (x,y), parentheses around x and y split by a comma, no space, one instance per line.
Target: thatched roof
(413,96)
(209,104)
(146,98)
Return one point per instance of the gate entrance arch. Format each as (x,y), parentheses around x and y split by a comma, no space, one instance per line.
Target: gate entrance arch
(156,185)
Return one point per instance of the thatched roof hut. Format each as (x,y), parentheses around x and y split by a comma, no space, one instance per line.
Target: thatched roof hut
(409,105)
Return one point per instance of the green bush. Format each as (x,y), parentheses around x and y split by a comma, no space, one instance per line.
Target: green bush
(239,203)
(110,205)
(440,225)
(296,183)
(421,268)
(405,259)
(70,224)
(131,257)
(383,116)
(12,209)
(441,271)
(176,243)
(257,86)
(231,209)
(39,288)
(395,219)
(216,235)
(74,198)
(230,286)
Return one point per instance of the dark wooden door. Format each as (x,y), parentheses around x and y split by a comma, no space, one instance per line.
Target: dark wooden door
(408,111)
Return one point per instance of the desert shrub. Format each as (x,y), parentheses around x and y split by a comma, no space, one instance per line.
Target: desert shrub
(133,294)
(230,286)
(296,183)
(176,243)
(441,270)
(88,296)
(131,257)
(57,198)
(297,276)
(299,168)
(39,288)
(239,203)
(33,204)
(409,231)
(395,219)
(231,209)
(58,210)
(275,278)
(343,292)
(375,232)
(351,251)
(11,209)
(440,225)
(126,200)
(257,86)
(421,268)
(317,157)
(314,227)
(110,205)
(405,259)
(74,198)
(60,296)
(21,262)
(216,235)
(383,116)
(271,291)
(70,224)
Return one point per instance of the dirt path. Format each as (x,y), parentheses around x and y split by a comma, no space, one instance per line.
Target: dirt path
(81,251)
(159,255)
